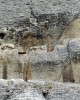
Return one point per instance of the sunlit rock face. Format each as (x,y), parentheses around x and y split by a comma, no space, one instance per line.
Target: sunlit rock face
(72,30)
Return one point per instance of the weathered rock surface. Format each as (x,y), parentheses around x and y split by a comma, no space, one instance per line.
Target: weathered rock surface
(62,64)
(45,20)
(38,90)
(30,33)
(6,46)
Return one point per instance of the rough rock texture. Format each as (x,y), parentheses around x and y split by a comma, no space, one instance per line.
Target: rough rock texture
(29,36)
(16,11)
(37,41)
(62,64)
(38,90)
(44,20)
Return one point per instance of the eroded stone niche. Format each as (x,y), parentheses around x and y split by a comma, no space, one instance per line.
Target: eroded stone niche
(31,40)
(26,39)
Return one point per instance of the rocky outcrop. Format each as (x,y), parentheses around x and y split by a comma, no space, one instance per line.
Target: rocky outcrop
(30,23)
(62,64)
(32,41)
(38,90)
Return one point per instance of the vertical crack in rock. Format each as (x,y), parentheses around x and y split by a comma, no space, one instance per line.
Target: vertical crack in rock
(4,69)
(25,72)
(45,94)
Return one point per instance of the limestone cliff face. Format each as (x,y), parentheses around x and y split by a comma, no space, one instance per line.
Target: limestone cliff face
(44,20)
(36,39)
(62,64)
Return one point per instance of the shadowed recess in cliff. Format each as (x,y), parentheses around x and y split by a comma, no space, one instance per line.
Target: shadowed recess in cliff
(68,74)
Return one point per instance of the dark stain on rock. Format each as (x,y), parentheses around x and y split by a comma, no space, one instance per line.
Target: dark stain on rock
(4,70)
(68,74)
